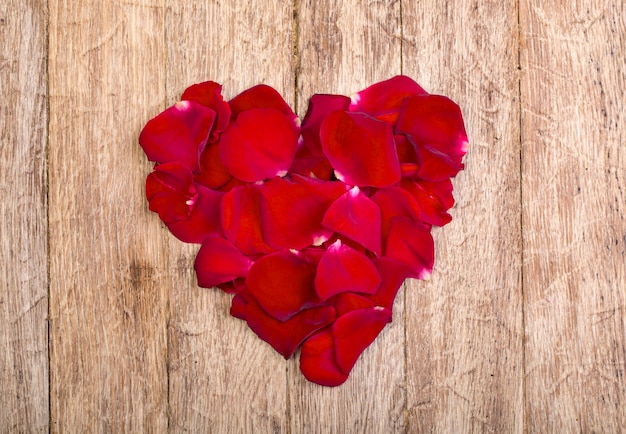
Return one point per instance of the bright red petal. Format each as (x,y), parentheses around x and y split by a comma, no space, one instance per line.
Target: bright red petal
(317,360)
(306,164)
(320,106)
(343,269)
(292,211)
(356,216)
(213,173)
(204,220)
(286,337)
(259,144)
(361,149)
(209,94)
(349,301)
(178,134)
(219,261)
(170,192)
(260,96)
(394,201)
(283,284)
(433,198)
(355,331)
(393,273)
(383,100)
(241,220)
(238,306)
(412,244)
(434,124)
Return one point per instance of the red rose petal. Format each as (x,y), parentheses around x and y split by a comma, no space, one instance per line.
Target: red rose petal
(259,144)
(178,134)
(204,219)
(393,274)
(292,211)
(283,284)
(219,261)
(238,306)
(241,220)
(349,301)
(412,244)
(343,269)
(355,331)
(383,100)
(209,94)
(394,201)
(308,165)
(361,149)
(260,96)
(356,216)
(286,337)
(434,124)
(317,360)
(213,173)
(433,198)
(320,106)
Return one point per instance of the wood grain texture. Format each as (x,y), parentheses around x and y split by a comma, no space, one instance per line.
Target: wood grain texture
(574,173)
(464,327)
(344,46)
(107,293)
(222,377)
(23,219)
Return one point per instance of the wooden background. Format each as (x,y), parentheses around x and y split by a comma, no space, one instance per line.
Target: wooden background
(523,325)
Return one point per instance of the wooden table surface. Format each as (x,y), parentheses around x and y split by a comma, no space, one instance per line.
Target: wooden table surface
(523,325)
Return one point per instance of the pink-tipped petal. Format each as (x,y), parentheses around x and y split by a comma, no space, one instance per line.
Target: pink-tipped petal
(219,261)
(178,134)
(317,360)
(209,94)
(343,269)
(361,149)
(383,100)
(320,106)
(356,216)
(259,144)
(412,244)
(283,284)
(355,331)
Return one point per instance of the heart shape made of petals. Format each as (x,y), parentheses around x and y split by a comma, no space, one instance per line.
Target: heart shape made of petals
(312,225)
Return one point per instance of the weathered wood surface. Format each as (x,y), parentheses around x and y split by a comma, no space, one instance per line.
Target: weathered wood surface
(574,195)
(522,326)
(23,222)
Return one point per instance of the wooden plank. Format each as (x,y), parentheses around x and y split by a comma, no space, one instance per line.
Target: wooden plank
(222,377)
(107,296)
(23,219)
(344,46)
(464,327)
(574,173)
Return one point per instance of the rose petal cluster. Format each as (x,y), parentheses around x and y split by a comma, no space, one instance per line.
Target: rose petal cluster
(312,225)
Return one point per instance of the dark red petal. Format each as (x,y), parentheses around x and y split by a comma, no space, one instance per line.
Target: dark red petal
(283,284)
(260,96)
(355,331)
(241,220)
(219,261)
(209,94)
(286,337)
(383,100)
(393,273)
(317,360)
(292,211)
(433,207)
(411,243)
(204,219)
(343,269)
(213,173)
(238,306)
(356,216)
(260,144)
(178,134)
(305,164)
(349,301)
(170,192)
(434,124)
(320,106)
(361,149)
(394,201)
